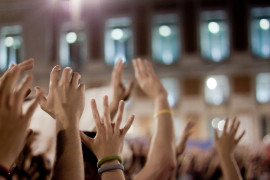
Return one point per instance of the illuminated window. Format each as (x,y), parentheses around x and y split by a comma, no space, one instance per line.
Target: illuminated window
(214,35)
(172,87)
(73,47)
(263,87)
(216,89)
(260,32)
(165,39)
(10,46)
(118,40)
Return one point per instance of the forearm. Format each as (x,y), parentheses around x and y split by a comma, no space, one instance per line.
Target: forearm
(116,174)
(113,109)
(162,147)
(229,167)
(69,160)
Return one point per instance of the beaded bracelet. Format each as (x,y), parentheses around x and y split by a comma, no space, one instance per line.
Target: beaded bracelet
(163,111)
(109,158)
(5,172)
(110,167)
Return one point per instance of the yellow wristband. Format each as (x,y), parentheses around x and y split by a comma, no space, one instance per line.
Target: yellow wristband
(163,111)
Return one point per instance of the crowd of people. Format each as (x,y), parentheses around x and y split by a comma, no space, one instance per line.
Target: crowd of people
(98,154)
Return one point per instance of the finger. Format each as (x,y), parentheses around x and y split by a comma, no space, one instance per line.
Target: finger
(23,87)
(95,114)
(82,87)
(30,111)
(234,131)
(216,134)
(119,116)
(75,79)
(225,126)
(136,69)
(128,125)
(86,140)
(65,78)
(149,67)
(27,93)
(240,137)
(232,125)
(141,67)
(54,76)
(26,65)
(43,100)
(106,113)
(128,91)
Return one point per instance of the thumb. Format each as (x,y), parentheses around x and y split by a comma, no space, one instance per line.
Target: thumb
(87,140)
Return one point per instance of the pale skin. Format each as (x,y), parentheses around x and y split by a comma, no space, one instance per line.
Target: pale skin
(120,92)
(65,103)
(161,156)
(225,146)
(13,122)
(109,138)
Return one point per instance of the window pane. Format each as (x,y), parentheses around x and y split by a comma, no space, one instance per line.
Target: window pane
(263,87)
(172,87)
(118,40)
(10,46)
(214,36)
(73,47)
(165,39)
(216,89)
(260,32)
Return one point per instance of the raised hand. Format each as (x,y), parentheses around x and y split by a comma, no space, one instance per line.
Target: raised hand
(186,134)
(226,143)
(13,122)
(120,92)
(110,137)
(147,79)
(66,95)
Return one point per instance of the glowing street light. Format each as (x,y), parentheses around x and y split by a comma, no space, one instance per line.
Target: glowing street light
(9,41)
(213,27)
(264,24)
(71,37)
(117,34)
(165,31)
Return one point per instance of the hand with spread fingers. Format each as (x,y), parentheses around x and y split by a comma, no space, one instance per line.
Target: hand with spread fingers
(225,145)
(13,122)
(120,92)
(147,79)
(110,137)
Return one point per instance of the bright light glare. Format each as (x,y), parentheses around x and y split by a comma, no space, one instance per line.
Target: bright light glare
(165,31)
(9,41)
(211,83)
(215,122)
(221,125)
(117,34)
(71,37)
(264,24)
(213,27)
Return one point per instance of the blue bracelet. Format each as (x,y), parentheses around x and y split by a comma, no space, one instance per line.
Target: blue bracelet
(110,167)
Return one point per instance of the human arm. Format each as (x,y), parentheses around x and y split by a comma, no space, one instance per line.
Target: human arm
(161,156)
(225,145)
(109,138)
(65,103)
(13,122)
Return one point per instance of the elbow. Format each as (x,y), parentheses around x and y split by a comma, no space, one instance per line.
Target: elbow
(168,164)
